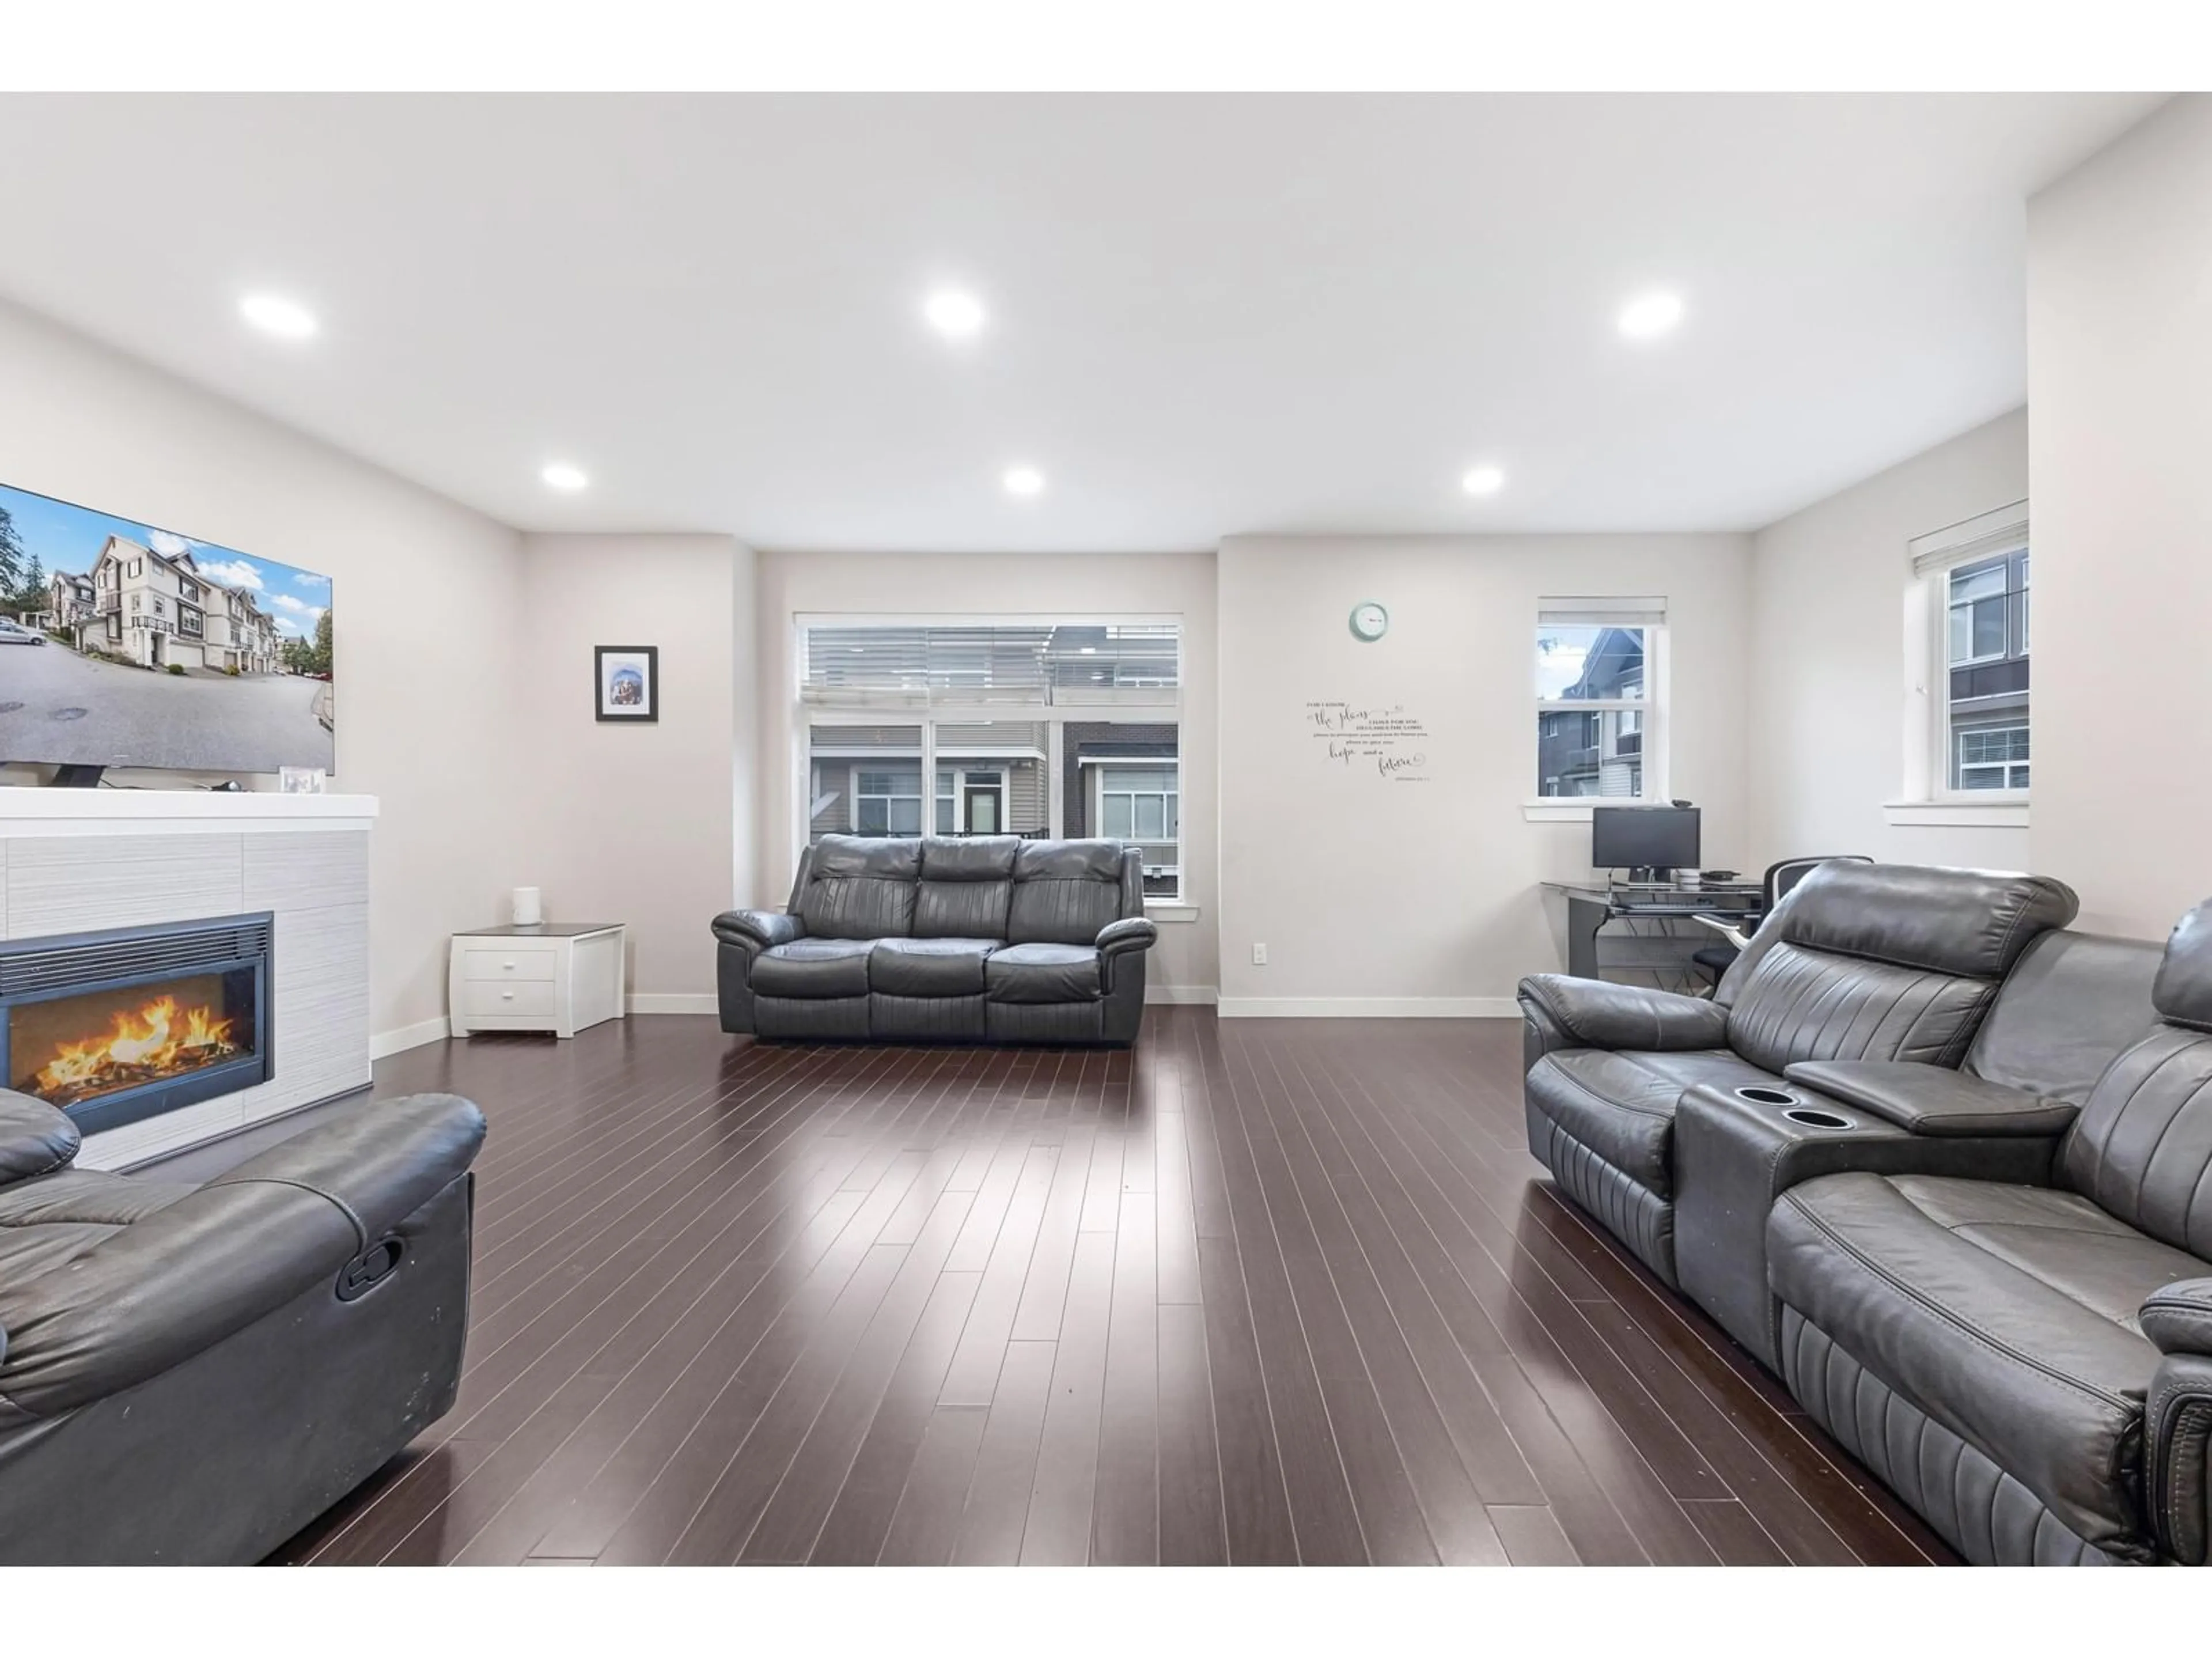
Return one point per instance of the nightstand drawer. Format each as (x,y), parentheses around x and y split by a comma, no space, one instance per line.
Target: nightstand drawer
(489,963)
(487,999)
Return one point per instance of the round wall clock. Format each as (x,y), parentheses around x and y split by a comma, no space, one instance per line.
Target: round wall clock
(1369,621)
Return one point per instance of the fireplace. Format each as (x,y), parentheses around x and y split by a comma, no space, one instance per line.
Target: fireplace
(118,1026)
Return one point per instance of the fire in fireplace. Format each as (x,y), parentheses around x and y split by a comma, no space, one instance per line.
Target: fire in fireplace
(115,1027)
(96,1044)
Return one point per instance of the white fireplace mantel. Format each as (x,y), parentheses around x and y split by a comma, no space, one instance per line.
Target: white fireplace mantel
(28,811)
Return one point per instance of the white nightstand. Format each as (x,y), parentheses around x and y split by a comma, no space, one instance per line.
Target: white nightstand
(557,976)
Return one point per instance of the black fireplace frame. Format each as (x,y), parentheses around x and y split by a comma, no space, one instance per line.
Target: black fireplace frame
(164,951)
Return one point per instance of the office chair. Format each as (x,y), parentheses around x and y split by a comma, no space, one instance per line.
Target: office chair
(1714,960)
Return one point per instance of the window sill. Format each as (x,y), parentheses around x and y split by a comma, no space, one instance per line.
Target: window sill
(1170,910)
(1956,814)
(1577,811)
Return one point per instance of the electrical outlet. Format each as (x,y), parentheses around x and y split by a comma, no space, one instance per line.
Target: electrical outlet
(1259,955)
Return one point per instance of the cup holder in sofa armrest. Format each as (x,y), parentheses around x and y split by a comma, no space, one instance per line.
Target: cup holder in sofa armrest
(1812,1118)
(1758,1094)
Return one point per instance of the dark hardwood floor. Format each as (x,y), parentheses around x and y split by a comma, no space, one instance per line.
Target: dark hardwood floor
(1265,1290)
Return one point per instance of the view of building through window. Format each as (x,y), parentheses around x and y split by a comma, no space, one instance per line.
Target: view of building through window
(1986,659)
(1048,730)
(1590,727)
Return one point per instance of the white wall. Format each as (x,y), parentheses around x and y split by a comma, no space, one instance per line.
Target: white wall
(2119,363)
(1000,584)
(635,824)
(1400,896)
(423,593)
(1825,673)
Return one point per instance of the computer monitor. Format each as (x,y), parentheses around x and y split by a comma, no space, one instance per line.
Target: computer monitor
(1643,838)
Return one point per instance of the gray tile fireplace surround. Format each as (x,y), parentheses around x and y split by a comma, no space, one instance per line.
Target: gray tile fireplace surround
(75,862)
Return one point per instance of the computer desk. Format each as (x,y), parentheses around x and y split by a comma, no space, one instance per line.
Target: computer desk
(1591,905)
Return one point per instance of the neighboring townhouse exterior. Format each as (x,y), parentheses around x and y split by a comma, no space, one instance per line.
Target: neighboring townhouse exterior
(156,610)
(240,635)
(1591,751)
(70,601)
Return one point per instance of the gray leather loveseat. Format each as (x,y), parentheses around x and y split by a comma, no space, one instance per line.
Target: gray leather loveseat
(991,938)
(191,1374)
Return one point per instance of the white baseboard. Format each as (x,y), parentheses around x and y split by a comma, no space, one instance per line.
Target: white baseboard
(1370,1008)
(674,1002)
(1206,994)
(408,1036)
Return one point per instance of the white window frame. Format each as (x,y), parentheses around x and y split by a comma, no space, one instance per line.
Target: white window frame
(1927,797)
(900,708)
(1655,785)
(1101,767)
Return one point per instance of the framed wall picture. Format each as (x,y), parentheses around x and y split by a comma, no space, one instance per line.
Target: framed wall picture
(626,682)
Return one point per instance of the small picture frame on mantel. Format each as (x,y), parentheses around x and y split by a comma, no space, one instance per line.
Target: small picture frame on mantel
(626,682)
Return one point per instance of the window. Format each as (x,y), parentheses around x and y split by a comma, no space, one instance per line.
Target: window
(887,800)
(1972,580)
(1597,695)
(1029,727)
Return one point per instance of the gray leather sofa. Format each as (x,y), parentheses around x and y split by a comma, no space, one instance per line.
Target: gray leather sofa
(1860,962)
(989,939)
(191,1374)
(2027,1361)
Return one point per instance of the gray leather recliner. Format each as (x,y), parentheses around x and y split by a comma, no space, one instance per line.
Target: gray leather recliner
(2030,1364)
(1860,962)
(192,1374)
(993,939)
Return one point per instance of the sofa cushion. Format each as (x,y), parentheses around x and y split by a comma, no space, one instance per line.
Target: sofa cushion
(2072,1002)
(814,967)
(929,967)
(861,887)
(1621,1104)
(1044,973)
(1969,924)
(2007,1314)
(1064,892)
(2143,1146)
(53,1220)
(1800,1004)
(967,884)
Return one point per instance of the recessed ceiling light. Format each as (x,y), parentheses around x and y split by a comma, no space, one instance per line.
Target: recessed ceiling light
(562,476)
(953,313)
(1483,481)
(1650,315)
(1024,481)
(274,314)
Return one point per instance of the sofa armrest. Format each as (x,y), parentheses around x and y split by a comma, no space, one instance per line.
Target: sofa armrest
(164,1289)
(2178,1316)
(2178,1452)
(758,930)
(1935,1100)
(1130,933)
(1597,1013)
(36,1139)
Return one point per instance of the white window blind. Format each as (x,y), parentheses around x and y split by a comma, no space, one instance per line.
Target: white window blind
(1999,531)
(1600,613)
(925,664)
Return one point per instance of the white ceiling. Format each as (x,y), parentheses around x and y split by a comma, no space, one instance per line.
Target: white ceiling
(1208,314)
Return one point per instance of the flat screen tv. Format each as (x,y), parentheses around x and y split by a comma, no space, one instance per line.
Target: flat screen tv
(123,645)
